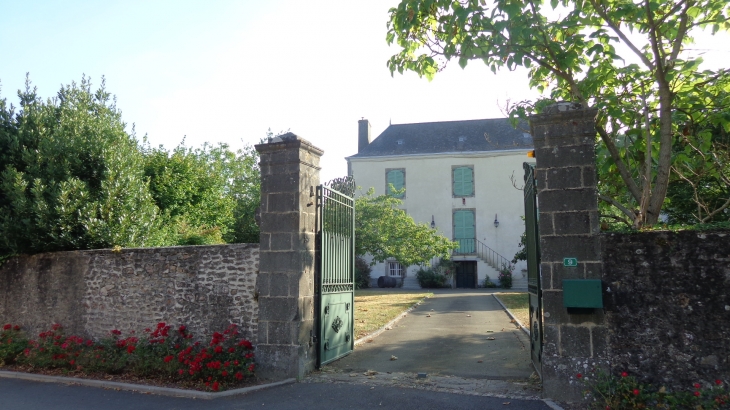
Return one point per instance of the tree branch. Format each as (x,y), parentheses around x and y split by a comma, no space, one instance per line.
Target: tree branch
(631,214)
(623,171)
(621,35)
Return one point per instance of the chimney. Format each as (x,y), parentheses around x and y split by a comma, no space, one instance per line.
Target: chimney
(363,134)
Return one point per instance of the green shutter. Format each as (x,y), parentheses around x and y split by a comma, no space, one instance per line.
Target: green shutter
(463,181)
(464,231)
(396,177)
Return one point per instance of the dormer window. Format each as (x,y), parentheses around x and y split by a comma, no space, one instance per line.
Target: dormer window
(462,139)
(400,142)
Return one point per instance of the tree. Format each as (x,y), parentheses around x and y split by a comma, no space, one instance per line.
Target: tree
(571,52)
(384,231)
(206,195)
(70,176)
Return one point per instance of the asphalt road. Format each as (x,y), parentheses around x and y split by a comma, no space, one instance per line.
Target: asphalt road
(449,334)
(20,394)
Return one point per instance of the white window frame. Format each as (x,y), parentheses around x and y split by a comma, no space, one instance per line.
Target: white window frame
(395,269)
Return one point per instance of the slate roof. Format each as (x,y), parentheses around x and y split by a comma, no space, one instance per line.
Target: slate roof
(495,134)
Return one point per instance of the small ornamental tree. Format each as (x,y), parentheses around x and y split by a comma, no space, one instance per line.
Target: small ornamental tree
(384,231)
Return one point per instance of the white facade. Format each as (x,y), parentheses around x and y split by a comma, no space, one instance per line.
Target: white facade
(429,195)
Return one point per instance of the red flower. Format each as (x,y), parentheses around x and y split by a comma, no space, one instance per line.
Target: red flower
(56,326)
(71,362)
(7,327)
(224,373)
(16,327)
(579,375)
(215,386)
(239,376)
(250,368)
(130,349)
(168,358)
(718,382)
(116,332)
(231,349)
(181,329)
(697,394)
(636,392)
(180,372)
(219,349)
(161,325)
(697,385)
(624,374)
(246,344)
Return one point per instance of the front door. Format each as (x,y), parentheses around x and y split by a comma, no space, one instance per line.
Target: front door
(466,274)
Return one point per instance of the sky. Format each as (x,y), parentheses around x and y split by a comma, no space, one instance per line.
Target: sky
(228,71)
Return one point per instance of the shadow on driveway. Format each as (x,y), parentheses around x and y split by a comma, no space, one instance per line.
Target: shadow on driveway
(448,334)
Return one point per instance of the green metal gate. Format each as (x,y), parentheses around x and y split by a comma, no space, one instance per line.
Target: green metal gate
(335,269)
(534,287)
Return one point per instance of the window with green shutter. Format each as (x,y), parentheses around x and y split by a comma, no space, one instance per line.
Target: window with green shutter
(396,177)
(463,181)
(465,230)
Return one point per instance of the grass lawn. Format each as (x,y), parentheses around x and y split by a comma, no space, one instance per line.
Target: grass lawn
(518,304)
(374,308)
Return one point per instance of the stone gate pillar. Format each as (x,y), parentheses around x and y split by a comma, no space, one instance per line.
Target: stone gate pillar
(575,340)
(285,284)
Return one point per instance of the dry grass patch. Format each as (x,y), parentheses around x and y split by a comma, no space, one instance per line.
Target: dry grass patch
(375,308)
(518,304)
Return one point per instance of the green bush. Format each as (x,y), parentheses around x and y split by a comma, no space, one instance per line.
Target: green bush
(505,276)
(71,177)
(430,278)
(12,343)
(488,283)
(362,273)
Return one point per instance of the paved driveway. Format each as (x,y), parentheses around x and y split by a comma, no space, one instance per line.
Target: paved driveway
(449,334)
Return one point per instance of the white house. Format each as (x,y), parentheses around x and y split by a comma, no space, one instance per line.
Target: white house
(460,177)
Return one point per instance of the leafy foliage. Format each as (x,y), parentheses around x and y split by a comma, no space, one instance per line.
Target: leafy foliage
(606,391)
(206,195)
(505,276)
(648,99)
(430,278)
(362,273)
(71,177)
(384,231)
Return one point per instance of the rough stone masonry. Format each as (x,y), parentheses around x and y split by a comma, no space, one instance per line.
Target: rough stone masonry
(92,292)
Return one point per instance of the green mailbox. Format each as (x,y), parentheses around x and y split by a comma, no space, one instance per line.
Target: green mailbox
(582,293)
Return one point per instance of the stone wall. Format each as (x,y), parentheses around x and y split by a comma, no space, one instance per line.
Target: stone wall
(92,292)
(667,306)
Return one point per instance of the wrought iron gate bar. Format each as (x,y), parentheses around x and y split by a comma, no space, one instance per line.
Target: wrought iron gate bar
(335,270)
(534,287)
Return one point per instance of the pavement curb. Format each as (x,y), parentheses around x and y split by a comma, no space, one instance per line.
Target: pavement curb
(552,404)
(389,324)
(526,330)
(140,388)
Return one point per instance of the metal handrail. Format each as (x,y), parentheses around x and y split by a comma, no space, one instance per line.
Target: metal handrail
(482,251)
(491,257)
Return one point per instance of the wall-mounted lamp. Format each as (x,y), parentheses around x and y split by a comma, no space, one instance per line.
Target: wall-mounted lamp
(463,201)
(496,222)
(433,223)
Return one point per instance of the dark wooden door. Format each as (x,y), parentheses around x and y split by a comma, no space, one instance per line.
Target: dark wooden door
(466,274)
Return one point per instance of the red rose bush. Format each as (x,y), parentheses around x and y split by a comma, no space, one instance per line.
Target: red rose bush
(163,352)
